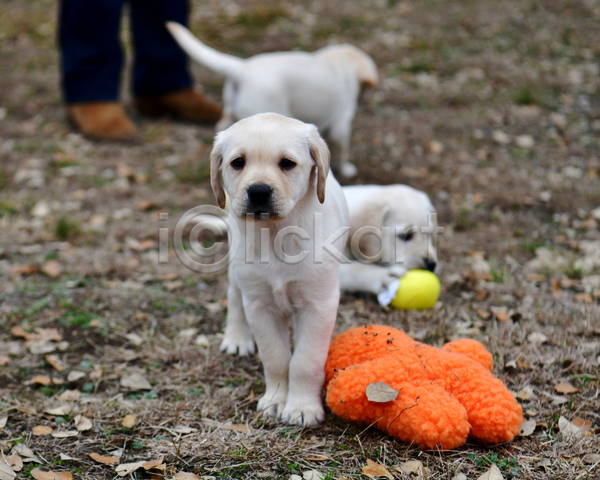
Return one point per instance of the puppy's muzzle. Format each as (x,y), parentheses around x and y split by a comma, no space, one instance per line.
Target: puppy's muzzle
(260,200)
(430,265)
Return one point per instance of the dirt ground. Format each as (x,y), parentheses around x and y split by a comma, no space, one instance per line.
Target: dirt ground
(491,107)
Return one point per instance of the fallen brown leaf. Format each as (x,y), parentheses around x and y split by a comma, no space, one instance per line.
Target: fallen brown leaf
(70,395)
(82,423)
(527,428)
(6,473)
(565,387)
(155,464)
(374,470)
(52,269)
(522,364)
(128,421)
(23,269)
(104,460)
(60,411)
(321,458)
(582,424)
(41,380)
(492,474)
(502,316)
(15,462)
(55,362)
(4,360)
(42,430)
(185,476)
(19,332)
(126,468)
(135,381)
(40,475)
(412,466)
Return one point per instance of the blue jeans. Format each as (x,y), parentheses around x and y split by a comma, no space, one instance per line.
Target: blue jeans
(91,54)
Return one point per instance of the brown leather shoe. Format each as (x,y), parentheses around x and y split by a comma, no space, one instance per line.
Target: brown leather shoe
(186,103)
(102,120)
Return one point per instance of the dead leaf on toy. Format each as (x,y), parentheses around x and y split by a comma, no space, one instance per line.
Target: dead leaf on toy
(527,428)
(492,474)
(412,466)
(381,392)
(374,470)
(40,475)
(565,387)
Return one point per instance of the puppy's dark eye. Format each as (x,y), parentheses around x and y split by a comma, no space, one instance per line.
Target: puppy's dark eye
(406,236)
(238,163)
(286,164)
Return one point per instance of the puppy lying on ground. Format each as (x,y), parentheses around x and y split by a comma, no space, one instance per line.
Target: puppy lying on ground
(405,212)
(275,171)
(320,88)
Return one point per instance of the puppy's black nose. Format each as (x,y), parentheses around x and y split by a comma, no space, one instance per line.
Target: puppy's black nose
(259,194)
(430,265)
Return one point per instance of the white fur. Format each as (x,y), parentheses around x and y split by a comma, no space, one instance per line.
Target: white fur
(264,296)
(320,88)
(392,206)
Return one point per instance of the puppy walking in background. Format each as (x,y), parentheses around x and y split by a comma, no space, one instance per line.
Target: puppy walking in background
(276,172)
(320,88)
(404,210)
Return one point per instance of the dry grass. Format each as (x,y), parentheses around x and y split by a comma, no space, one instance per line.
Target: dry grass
(452,72)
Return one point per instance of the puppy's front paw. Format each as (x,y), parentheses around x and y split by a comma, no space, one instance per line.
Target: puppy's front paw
(272,405)
(238,346)
(392,274)
(305,415)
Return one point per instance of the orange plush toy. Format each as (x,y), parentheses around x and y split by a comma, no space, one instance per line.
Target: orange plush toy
(445,394)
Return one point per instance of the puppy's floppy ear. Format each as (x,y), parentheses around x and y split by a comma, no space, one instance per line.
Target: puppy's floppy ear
(371,214)
(216,160)
(321,156)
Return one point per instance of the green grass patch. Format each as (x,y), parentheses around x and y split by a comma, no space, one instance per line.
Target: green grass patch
(508,466)
(7,208)
(260,16)
(530,246)
(418,65)
(66,229)
(197,173)
(76,318)
(3,179)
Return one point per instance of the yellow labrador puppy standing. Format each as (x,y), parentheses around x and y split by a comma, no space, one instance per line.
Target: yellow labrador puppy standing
(293,222)
(322,88)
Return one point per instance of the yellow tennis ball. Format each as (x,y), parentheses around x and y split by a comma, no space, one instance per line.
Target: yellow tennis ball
(419,290)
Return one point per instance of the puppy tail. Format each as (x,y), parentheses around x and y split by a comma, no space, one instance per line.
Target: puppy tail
(212,59)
